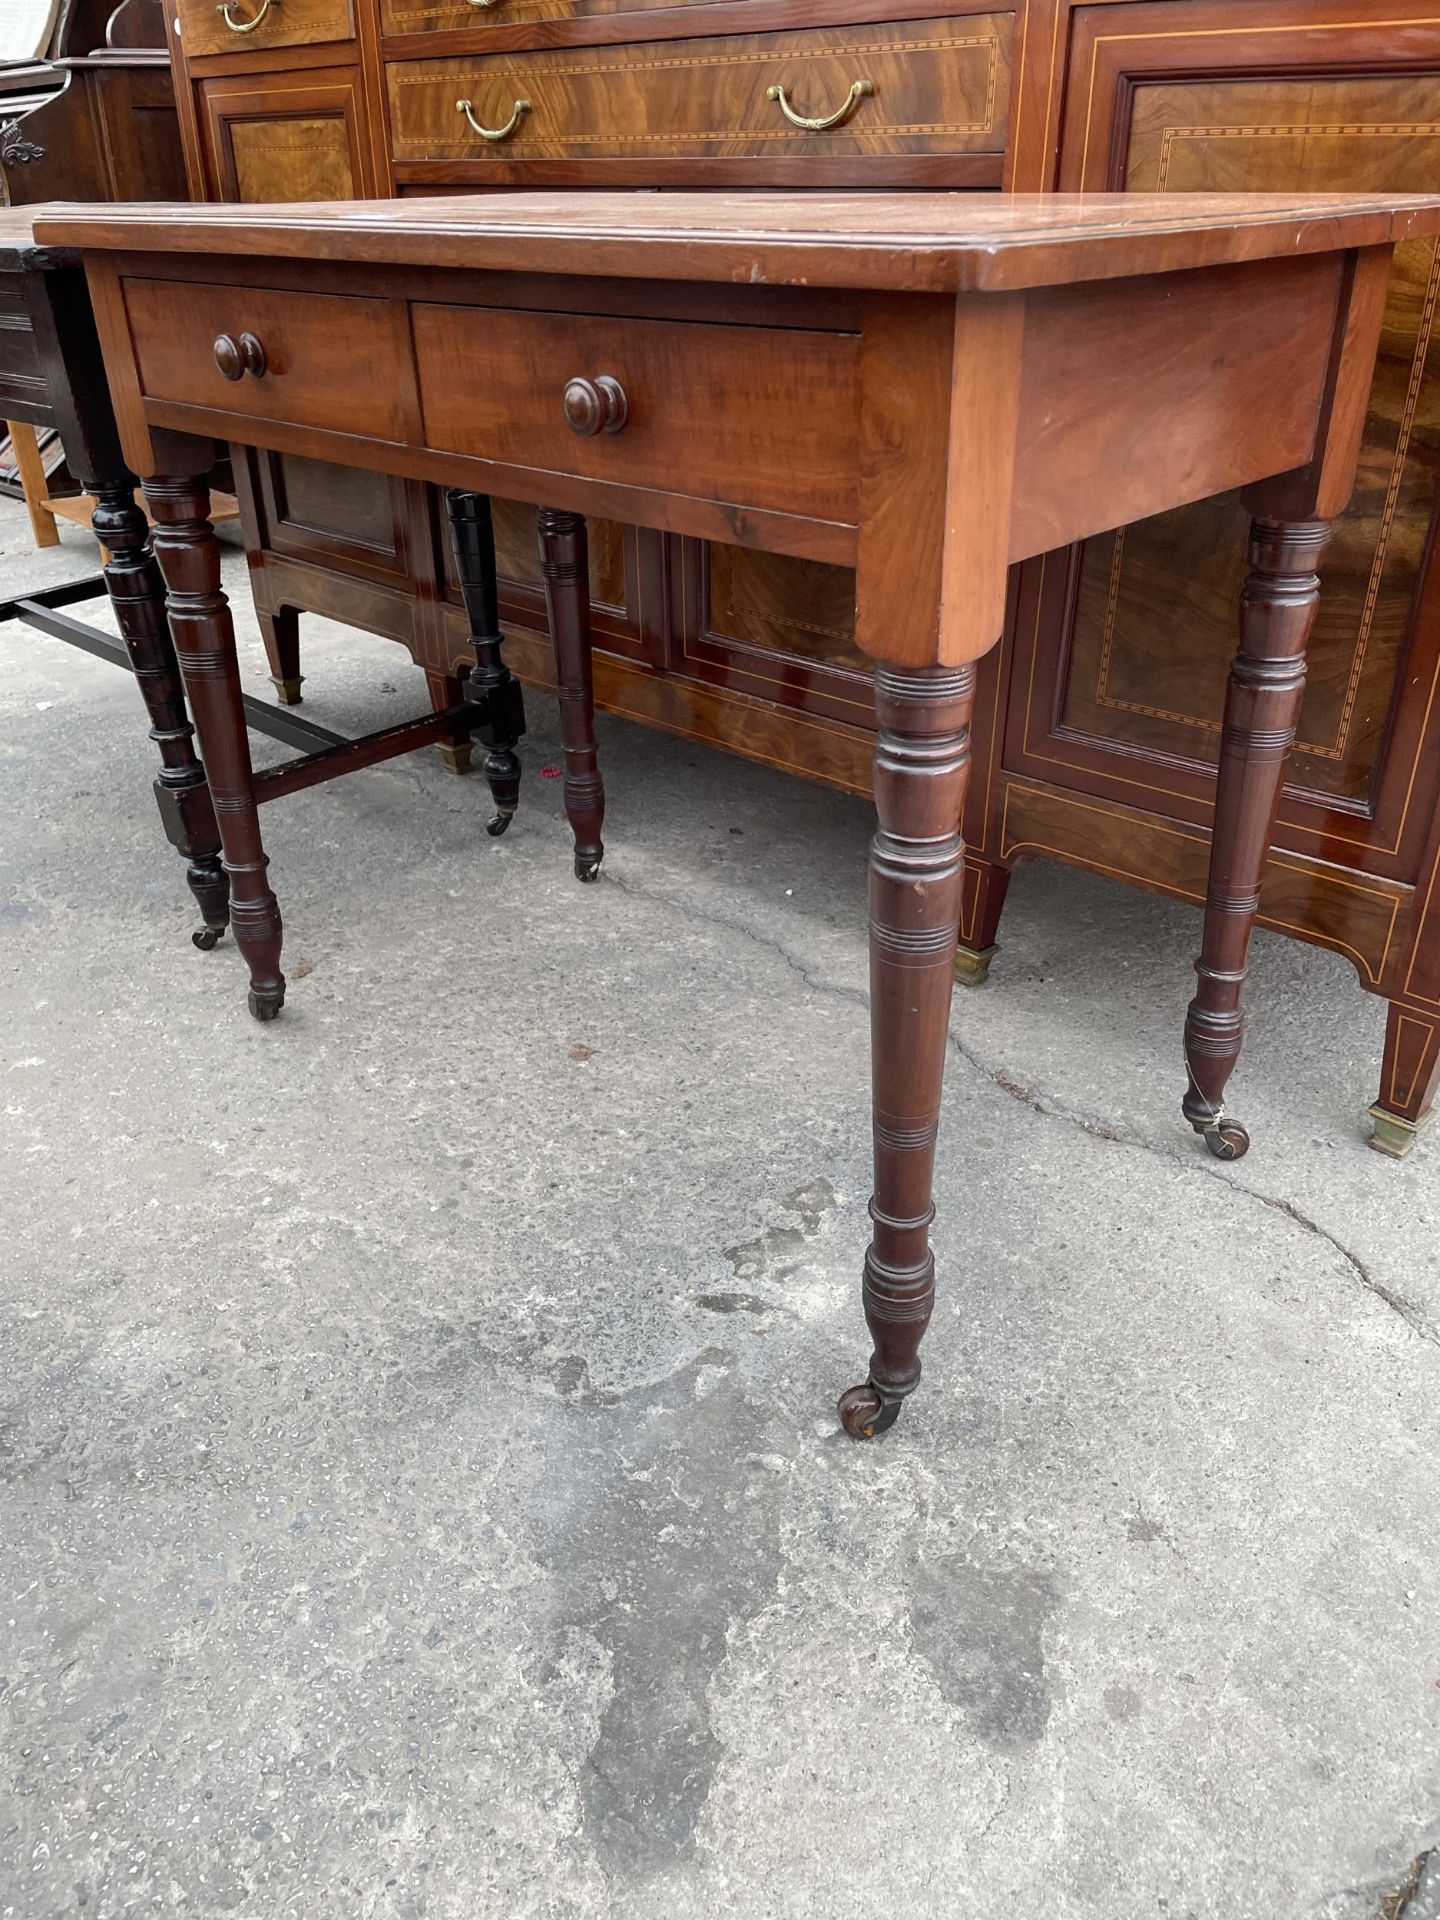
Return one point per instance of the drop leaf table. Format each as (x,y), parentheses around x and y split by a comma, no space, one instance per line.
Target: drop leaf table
(926,387)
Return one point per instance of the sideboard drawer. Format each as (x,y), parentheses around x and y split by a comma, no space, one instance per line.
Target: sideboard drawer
(752,418)
(250,26)
(907,87)
(325,360)
(441,16)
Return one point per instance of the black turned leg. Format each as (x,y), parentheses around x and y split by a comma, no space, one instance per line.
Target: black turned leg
(189,557)
(280,630)
(565,564)
(922,765)
(137,594)
(473,534)
(1262,710)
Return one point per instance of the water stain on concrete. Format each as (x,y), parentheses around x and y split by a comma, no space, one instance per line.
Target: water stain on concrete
(981,1632)
(779,1251)
(662,1536)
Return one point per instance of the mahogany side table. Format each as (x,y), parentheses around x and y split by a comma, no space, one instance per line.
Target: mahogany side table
(927,387)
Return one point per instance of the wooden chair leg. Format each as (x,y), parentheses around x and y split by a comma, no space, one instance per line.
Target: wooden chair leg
(473,534)
(922,765)
(1262,707)
(204,635)
(564,562)
(31,469)
(137,594)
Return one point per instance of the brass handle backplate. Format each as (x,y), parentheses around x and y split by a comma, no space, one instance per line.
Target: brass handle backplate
(595,406)
(494,133)
(235,358)
(859,90)
(226,12)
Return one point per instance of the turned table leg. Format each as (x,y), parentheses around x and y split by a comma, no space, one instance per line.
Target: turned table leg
(189,557)
(564,562)
(473,534)
(922,761)
(137,594)
(1262,708)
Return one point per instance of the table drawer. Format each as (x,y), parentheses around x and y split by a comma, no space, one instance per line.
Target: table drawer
(745,415)
(328,360)
(907,87)
(250,26)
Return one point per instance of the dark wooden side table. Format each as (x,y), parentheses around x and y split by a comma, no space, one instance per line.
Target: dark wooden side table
(925,387)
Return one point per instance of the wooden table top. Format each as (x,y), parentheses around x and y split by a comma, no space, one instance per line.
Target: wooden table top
(935,242)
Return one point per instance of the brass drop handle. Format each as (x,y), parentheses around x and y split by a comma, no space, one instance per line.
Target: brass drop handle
(226,12)
(859,90)
(494,133)
(595,406)
(235,358)
(483,3)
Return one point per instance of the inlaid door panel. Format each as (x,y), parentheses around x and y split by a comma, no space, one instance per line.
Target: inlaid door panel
(1142,630)
(768,625)
(285,136)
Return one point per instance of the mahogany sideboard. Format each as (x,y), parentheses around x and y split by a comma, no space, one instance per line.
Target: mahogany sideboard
(925,388)
(1105,696)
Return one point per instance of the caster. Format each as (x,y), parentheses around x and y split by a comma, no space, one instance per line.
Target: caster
(1227,1139)
(587,866)
(864,1411)
(500,822)
(207,937)
(266,1006)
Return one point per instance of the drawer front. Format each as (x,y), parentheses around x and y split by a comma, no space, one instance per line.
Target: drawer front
(23,393)
(330,360)
(909,87)
(431,16)
(728,413)
(250,26)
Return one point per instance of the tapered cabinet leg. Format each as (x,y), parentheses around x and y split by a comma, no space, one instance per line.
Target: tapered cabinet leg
(137,594)
(473,535)
(1262,707)
(986,883)
(204,636)
(564,563)
(922,760)
(1408,1080)
(448,690)
(280,630)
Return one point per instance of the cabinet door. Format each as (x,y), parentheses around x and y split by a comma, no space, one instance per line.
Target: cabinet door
(285,136)
(1136,629)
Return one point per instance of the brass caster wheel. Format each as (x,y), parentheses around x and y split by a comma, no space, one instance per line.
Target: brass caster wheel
(1227,1139)
(864,1411)
(587,866)
(207,937)
(500,822)
(266,1006)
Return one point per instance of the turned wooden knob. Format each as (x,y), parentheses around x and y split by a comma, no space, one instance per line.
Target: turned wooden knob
(236,358)
(596,406)
(227,358)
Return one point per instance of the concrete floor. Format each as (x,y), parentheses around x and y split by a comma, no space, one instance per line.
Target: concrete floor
(421,1491)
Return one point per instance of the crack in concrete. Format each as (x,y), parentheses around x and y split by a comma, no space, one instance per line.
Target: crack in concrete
(1097,1129)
